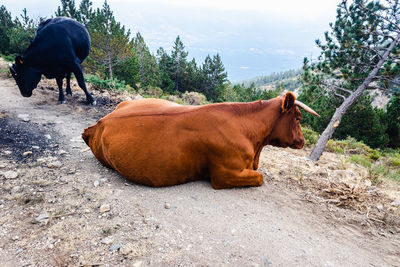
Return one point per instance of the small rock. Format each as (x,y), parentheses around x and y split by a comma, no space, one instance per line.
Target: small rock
(47,136)
(126,249)
(395,203)
(16,189)
(35,147)
(137,97)
(96,183)
(54,165)
(23,117)
(266,261)
(114,247)
(19,251)
(167,206)
(367,183)
(15,238)
(42,217)
(137,264)
(106,240)
(10,174)
(103,181)
(105,208)
(7,152)
(61,152)
(2,165)
(26,153)
(379,207)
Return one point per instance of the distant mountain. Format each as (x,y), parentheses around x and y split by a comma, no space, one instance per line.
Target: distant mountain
(290,80)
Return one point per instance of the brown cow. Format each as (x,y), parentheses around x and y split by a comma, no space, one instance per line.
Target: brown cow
(159,143)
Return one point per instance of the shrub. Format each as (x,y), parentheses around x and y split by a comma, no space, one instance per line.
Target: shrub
(310,136)
(349,145)
(152,91)
(194,98)
(9,58)
(106,84)
(374,154)
(362,160)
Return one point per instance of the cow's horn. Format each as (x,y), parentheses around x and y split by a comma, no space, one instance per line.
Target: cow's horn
(306,108)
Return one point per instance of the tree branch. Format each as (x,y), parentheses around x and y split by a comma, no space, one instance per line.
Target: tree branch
(337,94)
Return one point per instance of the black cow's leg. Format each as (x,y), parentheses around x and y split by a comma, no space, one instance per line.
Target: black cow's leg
(68,90)
(81,82)
(61,97)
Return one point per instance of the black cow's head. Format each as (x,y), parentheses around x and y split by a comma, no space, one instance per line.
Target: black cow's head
(27,78)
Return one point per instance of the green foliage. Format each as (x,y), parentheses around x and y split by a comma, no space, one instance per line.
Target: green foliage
(106,84)
(310,136)
(148,67)
(9,57)
(362,160)
(178,66)
(111,44)
(5,24)
(349,145)
(354,47)
(240,93)
(128,71)
(67,9)
(364,123)
(392,118)
(194,98)
(214,78)
(151,91)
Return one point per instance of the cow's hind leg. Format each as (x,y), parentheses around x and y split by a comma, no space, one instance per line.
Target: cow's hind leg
(61,97)
(81,82)
(223,178)
(68,90)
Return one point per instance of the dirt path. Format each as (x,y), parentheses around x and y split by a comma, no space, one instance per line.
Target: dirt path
(64,208)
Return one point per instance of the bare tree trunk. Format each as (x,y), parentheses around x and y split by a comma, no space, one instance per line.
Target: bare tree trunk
(109,64)
(340,111)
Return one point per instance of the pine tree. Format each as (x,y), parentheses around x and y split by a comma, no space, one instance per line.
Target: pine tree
(361,52)
(178,57)
(5,24)
(67,9)
(148,68)
(85,13)
(22,32)
(393,121)
(214,76)
(110,42)
(164,62)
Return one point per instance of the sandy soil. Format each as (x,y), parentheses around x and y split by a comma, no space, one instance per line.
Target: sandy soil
(60,207)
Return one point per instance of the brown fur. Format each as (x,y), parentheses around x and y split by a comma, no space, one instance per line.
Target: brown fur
(160,143)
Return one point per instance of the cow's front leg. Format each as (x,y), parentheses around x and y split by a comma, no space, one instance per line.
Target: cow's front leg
(68,89)
(61,97)
(223,178)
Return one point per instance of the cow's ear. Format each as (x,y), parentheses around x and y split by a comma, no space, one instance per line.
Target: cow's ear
(288,101)
(18,60)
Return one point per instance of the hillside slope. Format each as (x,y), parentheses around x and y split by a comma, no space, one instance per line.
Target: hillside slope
(59,206)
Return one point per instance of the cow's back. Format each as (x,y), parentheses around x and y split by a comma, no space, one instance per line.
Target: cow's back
(58,41)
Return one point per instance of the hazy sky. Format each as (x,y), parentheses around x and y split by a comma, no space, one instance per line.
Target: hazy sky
(253,37)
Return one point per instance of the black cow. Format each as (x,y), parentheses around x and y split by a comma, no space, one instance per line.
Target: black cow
(59,47)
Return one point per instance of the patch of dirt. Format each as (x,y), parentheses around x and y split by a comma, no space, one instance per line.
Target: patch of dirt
(61,207)
(18,137)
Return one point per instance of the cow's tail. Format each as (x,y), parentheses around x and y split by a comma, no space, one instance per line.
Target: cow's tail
(88,134)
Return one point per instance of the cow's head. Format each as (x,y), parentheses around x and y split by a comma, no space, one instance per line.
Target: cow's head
(26,77)
(287,132)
